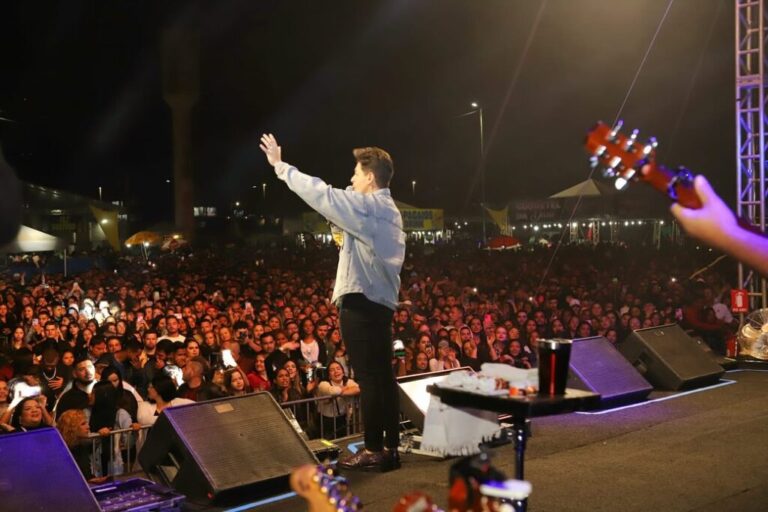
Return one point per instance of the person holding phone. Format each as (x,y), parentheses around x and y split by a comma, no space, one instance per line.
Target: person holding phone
(366,288)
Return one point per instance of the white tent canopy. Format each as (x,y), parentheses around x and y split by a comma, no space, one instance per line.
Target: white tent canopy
(587,188)
(32,240)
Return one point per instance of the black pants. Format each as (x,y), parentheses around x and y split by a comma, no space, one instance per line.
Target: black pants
(366,328)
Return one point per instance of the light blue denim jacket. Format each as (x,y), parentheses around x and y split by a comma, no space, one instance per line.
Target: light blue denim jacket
(373,250)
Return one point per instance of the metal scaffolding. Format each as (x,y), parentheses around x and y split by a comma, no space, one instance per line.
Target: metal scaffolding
(751,129)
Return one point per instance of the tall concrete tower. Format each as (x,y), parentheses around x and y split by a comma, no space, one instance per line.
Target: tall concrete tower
(181,90)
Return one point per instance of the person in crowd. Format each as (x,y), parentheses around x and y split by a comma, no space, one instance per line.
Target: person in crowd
(107,415)
(258,378)
(128,397)
(67,364)
(18,340)
(584,330)
(195,386)
(76,397)
(274,357)
(446,359)
(236,383)
(97,348)
(29,414)
(468,355)
(334,412)
(296,378)
(282,389)
(172,330)
(161,394)
(420,364)
(29,382)
(516,356)
(75,431)
(312,345)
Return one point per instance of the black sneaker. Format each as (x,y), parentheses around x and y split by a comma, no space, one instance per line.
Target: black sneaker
(364,460)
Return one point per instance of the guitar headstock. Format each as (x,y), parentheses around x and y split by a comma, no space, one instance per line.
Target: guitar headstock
(323,489)
(617,155)
(625,159)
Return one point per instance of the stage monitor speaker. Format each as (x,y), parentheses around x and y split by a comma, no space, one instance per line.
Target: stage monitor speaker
(226,449)
(414,397)
(597,366)
(37,472)
(669,358)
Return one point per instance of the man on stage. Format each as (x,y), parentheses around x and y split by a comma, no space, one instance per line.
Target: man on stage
(366,289)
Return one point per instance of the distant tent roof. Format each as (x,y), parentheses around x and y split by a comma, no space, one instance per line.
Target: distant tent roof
(32,240)
(587,188)
(37,197)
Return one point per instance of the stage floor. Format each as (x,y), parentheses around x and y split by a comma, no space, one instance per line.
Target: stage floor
(703,450)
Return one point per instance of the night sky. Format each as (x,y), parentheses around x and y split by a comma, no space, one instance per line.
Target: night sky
(83,82)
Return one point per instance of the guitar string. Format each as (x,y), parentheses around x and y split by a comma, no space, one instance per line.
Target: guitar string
(575,208)
(672,139)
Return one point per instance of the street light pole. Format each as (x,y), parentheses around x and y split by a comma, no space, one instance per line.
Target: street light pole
(413,188)
(264,190)
(479,111)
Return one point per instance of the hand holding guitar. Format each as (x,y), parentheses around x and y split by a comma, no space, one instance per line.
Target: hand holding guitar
(698,209)
(710,222)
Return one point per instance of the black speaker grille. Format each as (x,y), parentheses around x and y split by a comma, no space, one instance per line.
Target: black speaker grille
(671,358)
(600,368)
(241,440)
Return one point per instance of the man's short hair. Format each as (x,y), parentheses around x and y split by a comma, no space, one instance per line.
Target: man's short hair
(81,360)
(166,346)
(377,161)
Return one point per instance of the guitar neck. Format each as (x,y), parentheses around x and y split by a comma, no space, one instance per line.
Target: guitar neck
(671,184)
(681,191)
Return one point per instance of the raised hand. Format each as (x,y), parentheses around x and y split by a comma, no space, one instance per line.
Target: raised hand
(271,149)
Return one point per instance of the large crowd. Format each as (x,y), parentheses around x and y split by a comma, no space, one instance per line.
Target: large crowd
(107,350)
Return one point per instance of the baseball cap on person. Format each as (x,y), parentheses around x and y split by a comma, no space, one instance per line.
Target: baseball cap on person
(443,344)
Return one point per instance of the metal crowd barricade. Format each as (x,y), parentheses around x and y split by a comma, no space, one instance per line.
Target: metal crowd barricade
(315,425)
(124,444)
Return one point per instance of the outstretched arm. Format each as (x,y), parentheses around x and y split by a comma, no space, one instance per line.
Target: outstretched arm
(716,225)
(342,207)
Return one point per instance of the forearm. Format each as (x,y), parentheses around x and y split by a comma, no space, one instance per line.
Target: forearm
(47,418)
(333,204)
(748,247)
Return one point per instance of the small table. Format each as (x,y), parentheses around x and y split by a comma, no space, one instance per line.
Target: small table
(520,408)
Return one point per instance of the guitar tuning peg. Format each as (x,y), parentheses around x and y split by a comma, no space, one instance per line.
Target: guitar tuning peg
(631,139)
(620,183)
(615,161)
(615,130)
(650,146)
(594,161)
(609,172)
